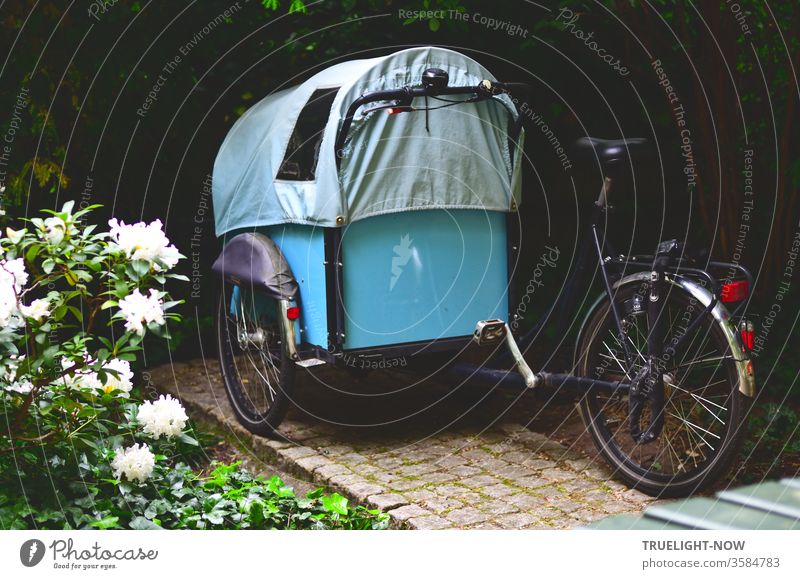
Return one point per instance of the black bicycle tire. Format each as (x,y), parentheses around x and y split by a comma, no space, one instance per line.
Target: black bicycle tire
(261,424)
(637,477)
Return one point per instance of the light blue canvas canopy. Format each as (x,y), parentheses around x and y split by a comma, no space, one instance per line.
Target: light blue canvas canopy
(390,163)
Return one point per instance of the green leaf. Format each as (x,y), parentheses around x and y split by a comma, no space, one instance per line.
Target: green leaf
(297,6)
(433,24)
(335,503)
(142,524)
(141,267)
(214,517)
(316,493)
(107,522)
(76,312)
(186,438)
(33,251)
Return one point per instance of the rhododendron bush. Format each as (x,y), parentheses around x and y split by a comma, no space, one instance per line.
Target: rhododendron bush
(75,304)
(78,449)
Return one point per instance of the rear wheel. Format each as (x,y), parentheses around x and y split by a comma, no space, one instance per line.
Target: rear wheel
(258,373)
(703,412)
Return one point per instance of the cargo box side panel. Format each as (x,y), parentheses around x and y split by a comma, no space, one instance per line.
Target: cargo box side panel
(423,275)
(304,248)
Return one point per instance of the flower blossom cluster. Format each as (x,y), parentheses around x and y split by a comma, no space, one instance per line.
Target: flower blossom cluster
(118,380)
(139,309)
(135,462)
(8,376)
(13,278)
(146,242)
(164,417)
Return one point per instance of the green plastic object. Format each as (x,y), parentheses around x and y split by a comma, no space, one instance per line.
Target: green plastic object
(715,514)
(771,497)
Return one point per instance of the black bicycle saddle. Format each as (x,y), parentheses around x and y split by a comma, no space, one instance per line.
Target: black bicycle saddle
(612,154)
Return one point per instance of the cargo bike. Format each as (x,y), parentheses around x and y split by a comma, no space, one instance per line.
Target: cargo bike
(372,212)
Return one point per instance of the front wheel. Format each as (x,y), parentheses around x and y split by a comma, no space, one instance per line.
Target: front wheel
(703,408)
(258,373)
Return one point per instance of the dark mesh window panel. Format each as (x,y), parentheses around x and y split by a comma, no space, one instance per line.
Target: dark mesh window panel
(300,162)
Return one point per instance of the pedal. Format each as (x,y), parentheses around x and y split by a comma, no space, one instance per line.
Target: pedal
(309,362)
(489,332)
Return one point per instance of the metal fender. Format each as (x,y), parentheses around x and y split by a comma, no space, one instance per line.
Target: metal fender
(747,384)
(252,260)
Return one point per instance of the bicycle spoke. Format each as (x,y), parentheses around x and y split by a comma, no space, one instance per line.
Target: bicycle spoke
(616,359)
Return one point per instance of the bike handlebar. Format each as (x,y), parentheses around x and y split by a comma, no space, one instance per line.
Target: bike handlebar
(484,90)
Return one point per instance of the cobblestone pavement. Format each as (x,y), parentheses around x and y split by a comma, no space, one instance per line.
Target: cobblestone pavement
(431,457)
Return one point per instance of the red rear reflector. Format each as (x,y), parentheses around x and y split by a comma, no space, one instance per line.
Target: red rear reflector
(394,110)
(293,313)
(734,291)
(748,332)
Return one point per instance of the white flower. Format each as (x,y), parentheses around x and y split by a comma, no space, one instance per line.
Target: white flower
(54,230)
(135,462)
(165,417)
(123,382)
(138,309)
(146,242)
(13,278)
(37,310)
(21,387)
(8,376)
(89,380)
(16,269)
(8,300)
(82,378)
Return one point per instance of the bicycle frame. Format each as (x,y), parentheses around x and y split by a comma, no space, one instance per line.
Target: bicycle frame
(659,270)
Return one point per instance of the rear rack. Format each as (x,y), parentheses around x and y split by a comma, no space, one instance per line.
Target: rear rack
(713,278)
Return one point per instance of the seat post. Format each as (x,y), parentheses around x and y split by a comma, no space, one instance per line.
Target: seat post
(602,200)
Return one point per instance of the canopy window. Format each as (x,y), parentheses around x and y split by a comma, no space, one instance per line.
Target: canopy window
(302,154)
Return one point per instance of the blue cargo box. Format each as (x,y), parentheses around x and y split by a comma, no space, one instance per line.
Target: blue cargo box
(408,277)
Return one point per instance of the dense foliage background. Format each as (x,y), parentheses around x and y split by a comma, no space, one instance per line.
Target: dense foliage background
(126,103)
